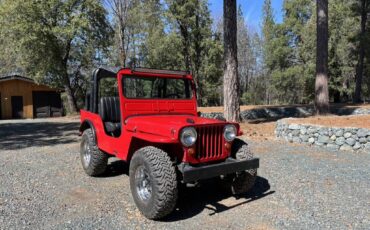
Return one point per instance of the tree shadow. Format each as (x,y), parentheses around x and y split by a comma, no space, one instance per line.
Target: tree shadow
(272,113)
(35,134)
(209,195)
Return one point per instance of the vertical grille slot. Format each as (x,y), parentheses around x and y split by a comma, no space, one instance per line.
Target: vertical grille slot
(210,142)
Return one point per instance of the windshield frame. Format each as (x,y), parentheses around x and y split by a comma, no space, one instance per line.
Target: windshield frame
(191,87)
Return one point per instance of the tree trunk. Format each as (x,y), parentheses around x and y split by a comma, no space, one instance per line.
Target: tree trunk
(71,100)
(360,65)
(122,48)
(231,82)
(197,61)
(321,84)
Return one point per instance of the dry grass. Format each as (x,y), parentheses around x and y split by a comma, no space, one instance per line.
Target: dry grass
(358,121)
(259,130)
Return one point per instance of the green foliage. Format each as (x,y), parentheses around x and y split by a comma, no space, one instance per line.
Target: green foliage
(290,50)
(54,41)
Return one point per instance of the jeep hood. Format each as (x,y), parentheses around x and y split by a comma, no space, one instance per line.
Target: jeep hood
(165,126)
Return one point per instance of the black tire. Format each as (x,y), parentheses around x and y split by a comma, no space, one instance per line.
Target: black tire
(241,182)
(162,182)
(94,161)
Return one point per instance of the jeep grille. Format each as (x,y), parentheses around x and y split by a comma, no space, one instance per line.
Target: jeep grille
(210,142)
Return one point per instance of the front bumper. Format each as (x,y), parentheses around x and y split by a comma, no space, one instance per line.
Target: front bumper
(230,165)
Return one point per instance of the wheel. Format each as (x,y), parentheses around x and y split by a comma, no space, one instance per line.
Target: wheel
(153,182)
(93,160)
(241,182)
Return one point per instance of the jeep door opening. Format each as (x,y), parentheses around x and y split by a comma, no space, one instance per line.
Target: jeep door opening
(148,118)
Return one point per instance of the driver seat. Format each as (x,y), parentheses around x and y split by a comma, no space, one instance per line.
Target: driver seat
(110,113)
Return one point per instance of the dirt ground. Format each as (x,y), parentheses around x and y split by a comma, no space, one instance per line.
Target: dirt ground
(357,121)
(259,130)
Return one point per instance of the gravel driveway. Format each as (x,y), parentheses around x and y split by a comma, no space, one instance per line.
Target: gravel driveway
(43,186)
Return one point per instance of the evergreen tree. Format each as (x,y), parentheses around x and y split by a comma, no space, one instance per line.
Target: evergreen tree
(54,41)
(322,34)
(231,81)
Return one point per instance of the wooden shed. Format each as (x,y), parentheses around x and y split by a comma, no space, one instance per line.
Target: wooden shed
(21,97)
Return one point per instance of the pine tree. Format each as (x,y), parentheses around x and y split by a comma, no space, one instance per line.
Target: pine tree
(268,29)
(231,82)
(364,9)
(321,84)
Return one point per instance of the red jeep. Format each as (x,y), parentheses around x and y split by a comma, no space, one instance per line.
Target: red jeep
(148,118)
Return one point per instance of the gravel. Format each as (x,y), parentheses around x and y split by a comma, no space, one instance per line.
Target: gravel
(43,186)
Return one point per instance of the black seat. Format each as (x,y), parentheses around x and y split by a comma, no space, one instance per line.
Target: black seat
(109,110)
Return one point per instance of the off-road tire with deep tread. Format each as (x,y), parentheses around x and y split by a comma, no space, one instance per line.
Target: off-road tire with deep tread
(99,159)
(241,182)
(162,174)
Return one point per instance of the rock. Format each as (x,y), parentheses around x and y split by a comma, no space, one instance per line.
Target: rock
(363,132)
(311,140)
(319,143)
(350,141)
(311,130)
(295,132)
(345,147)
(368,138)
(323,131)
(357,146)
(315,134)
(296,139)
(362,140)
(340,141)
(347,135)
(294,126)
(339,133)
(367,146)
(303,130)
(323,139)
(304,138)
(333,137)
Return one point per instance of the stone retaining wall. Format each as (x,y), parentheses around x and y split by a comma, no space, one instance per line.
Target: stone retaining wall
(331,137)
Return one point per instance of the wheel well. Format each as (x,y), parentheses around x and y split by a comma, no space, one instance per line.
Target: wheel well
(175,151)
(88,125)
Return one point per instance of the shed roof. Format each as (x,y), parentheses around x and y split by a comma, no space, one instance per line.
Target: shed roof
(16,77)
(26,79)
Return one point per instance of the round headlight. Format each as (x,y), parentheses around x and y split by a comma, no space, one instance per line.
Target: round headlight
(188,136)
(230,132)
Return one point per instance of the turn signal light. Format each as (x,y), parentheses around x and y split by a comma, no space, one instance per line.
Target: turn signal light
(191,151)
(227,146)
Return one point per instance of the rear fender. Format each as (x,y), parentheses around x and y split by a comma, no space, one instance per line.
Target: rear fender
(87,124)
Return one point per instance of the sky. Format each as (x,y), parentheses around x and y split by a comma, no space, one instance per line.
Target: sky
(252,10)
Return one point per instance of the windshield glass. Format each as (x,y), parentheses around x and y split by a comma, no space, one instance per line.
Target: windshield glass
(156,88)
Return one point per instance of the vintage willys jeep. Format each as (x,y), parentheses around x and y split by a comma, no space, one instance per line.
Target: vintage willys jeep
(149,119)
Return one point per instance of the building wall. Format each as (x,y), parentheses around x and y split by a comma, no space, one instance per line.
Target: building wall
(18,88)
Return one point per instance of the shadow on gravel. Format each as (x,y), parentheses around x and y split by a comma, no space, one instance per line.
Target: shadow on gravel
(36,134)
(209,195)
(115,168)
